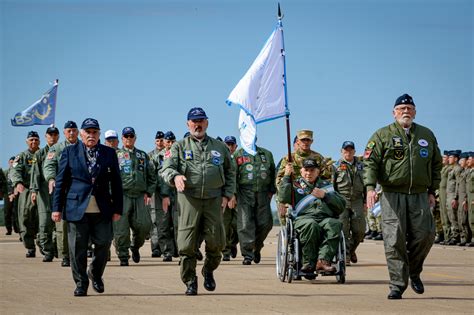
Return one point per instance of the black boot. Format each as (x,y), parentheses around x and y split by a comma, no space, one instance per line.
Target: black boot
(192,287)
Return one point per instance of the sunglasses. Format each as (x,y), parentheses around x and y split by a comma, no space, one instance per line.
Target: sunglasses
(129,136)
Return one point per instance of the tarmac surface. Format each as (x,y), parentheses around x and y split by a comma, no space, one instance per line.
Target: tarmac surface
(29,286)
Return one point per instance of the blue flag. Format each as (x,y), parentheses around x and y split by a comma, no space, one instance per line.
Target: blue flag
(40,113)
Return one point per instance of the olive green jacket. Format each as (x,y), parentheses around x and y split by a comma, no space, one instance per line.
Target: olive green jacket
(331,206)
(400,165)
(22,169)
(348,180)
(206,164)
(51,163)
(138,174)
(157,158)
(255,173)
(37,178)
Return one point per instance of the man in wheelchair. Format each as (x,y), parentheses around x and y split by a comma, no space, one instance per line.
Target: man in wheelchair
(316,215)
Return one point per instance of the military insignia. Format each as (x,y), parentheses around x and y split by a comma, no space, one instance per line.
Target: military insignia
(423,143)
(138,155)
(167,154)
(367,154)
(126,155)
(50,155)
(246,159)
(263,168)
(215,153)
(343,167)
(424,153)
(360,167)
(397,142)
(30,161)
(300,191)
(370,145)
(216,160)
(141,161)
(240,160)
(398,154)
(263,158)
(263,175)
(188,155)
(249,167)
(141,168)
(250,176)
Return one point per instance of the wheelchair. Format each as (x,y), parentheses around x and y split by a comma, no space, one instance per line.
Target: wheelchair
(288,258)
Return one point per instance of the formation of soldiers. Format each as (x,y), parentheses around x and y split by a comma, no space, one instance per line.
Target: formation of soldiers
(151,208)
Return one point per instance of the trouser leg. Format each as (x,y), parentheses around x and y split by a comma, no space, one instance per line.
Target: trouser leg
(309,233)
(264,219)
(78,238)
(27,219)
(331,231)
(213,233)
(101,234)
(140,222)
(62,239)
(246,222)
(45,235)
(122,230)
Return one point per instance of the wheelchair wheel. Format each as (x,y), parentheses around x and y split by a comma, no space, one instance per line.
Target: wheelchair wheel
(291,274)
(341,260)
(282,254)
(341,278)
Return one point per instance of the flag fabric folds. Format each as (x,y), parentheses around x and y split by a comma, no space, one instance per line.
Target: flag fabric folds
(42,112)
(261,92)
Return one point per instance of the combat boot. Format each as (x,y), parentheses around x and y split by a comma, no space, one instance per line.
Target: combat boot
(209,282)
(192,287)
(31,253)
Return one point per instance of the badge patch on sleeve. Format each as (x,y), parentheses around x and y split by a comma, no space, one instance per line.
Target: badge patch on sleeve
(423,143)
(370,145)
(398,154)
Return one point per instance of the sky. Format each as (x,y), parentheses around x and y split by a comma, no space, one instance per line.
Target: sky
(146,63)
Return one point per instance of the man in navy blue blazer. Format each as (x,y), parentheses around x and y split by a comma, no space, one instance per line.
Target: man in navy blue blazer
(89,197)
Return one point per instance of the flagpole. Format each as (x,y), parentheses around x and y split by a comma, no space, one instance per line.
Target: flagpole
(287,114)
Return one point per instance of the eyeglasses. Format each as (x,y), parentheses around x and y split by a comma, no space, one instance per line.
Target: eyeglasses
(129,136)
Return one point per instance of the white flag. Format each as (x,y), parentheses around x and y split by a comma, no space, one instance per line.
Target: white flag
(248,132)
(261,92)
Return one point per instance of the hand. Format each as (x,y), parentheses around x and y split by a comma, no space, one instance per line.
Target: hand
(431,200)
(224,203)
(11,197)
(165,203)
(56,216)
(51,185)
(179,182)
(116,217)
(147,200)
(232,202)
(282,210)
(464,206)
(454,204)
(318,193)
(371,198)
(289,169)
(33,198)
(20,188)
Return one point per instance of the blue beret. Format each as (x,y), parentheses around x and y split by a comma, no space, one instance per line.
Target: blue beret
(32,134)
(230,139)
(445,152)
(159,135)
(128,131)
(196,113)
(169,135)
(454,153)
(471,154)
(346,144)
(464,155)
(90,123)
(404,99)
(70,124)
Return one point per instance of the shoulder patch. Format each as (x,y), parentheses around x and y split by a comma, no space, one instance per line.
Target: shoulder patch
(50,155)
(371,145)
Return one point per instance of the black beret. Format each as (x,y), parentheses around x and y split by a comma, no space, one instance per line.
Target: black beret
(52,129)
(310,163)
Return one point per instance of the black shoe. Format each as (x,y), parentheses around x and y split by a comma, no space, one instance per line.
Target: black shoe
(89,253)
(155,254)
(8,233)
(233,251)
(462,243)
(66,262)
(379,237)
(247,261)
(97,284)
(192,288)
(199,255)
(394,295)
(257,257)
(167,258)
(417,285)
(31,253)
(209,282)
(135,255)
(80,292)
(453,242)
(48,258)
(124,262)
(439,238)
(226,257)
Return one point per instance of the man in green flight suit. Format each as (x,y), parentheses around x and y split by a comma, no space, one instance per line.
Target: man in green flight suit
(348,181)
(443,210)
(50,170)
(21,179)
(138,181)
(470,196)
(200,168)
(451,198)
(255,188)
(405,159)
(317,217)
(40,196)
